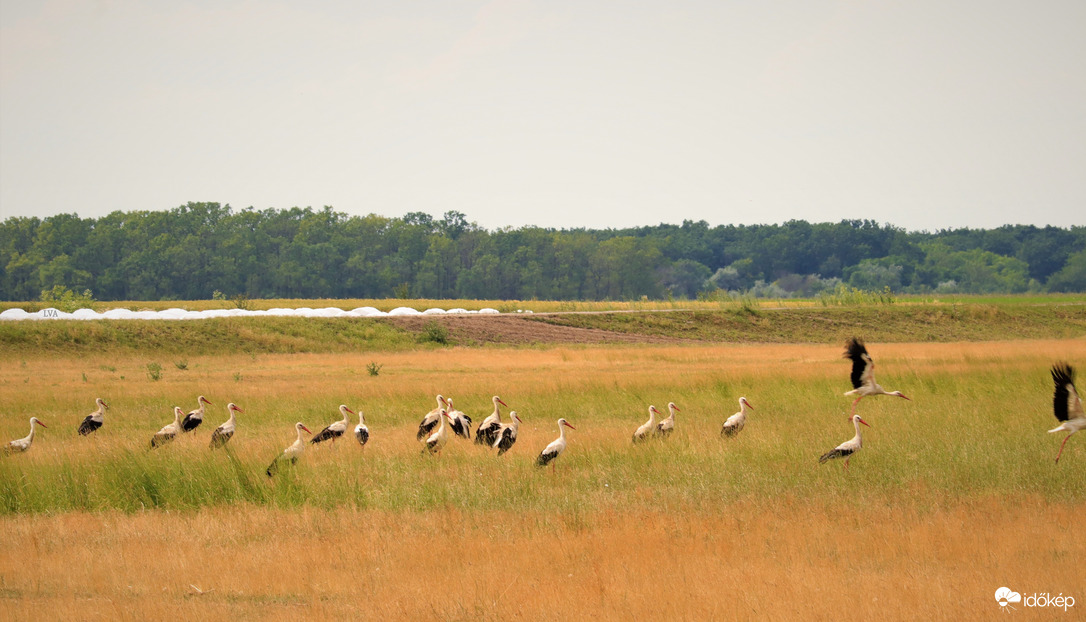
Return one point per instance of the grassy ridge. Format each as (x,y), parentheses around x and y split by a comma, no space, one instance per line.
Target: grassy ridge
(212,336)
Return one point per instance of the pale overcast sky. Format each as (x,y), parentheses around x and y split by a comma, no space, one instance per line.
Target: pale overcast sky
(925,114)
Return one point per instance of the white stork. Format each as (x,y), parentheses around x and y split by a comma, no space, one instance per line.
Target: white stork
(195,417)
(734,425)
(648,428)
(487,432)
(438,439)
(20,445)
(290,453)
(1066,404)
(94,420)
(361,432)
(849,447)
(431,419)
(224,432)
(461,423)
(667,426)
(551,452)
(168,431)
(863,373)
(336,429)
(507,435)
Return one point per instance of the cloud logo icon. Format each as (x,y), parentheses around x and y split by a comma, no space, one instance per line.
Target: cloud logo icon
(1004,596)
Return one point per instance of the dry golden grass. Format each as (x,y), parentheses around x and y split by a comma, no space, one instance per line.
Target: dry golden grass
(777,559)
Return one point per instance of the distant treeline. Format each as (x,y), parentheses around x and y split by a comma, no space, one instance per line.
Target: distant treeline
(195,250)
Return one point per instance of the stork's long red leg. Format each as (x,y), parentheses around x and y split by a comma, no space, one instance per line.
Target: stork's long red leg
(1067,438)
(856,401)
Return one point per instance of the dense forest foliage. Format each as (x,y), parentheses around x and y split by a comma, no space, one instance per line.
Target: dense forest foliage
(194,250)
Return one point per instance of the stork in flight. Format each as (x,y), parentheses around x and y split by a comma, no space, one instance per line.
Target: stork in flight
(94,420)
(849,447)
(551,452)
(168,431)
(195,417)
(863,373)
(1066,404)
(431,419)
(487,432)
(290,453)
(20,445)
(507,435)
(335,429)
(224,432)
(647,429)
(667,426)
(734,425)
(361,432)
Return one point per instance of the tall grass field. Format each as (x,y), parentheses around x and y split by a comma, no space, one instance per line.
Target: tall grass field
(954,494)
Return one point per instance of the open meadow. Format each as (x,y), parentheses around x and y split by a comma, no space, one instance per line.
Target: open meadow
(954,495)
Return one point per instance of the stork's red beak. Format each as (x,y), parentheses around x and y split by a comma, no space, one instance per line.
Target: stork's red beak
(502,403)
(42,424)
(569,425)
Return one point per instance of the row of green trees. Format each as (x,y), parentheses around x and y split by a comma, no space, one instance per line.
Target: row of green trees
(193,250)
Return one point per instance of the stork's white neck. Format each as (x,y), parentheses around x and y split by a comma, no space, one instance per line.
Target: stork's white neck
(859,436)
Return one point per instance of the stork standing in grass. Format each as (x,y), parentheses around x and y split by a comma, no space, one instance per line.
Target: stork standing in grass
(487,433)
(734,425)
(507,435)
(290,453)
(361,432)
(431,419)
(849,447)
(551,452)
(168,431)
(645,430)
(336,429)
(437,440)
(461,423)
(20,445)
(1066,404)
(225,432)
(667,426)
(863,373)
(195,417)
(94,420)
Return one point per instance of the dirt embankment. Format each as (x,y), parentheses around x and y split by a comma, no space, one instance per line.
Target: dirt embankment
(514,329)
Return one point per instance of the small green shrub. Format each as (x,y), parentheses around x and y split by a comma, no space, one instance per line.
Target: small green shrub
(434,332)
(154,371)
(66,300)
